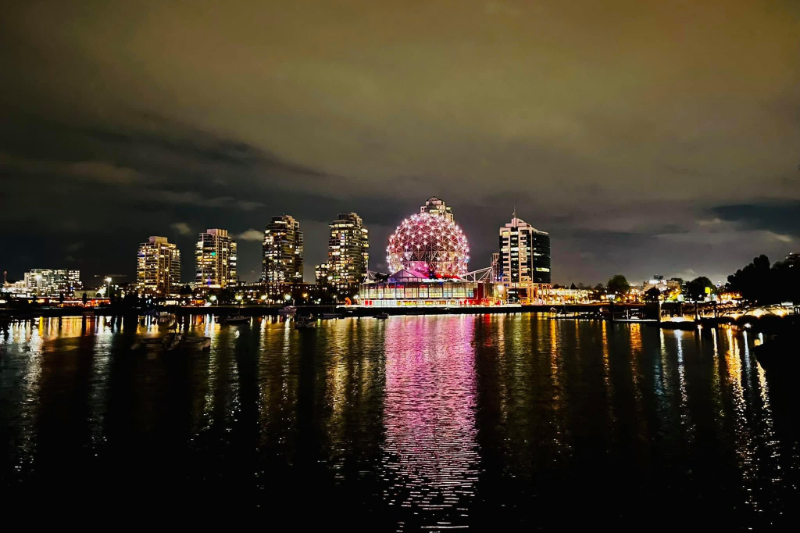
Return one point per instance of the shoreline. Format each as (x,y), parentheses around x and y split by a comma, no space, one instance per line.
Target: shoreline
(763,323)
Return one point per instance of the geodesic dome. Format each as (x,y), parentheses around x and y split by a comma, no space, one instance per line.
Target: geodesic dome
(428,244)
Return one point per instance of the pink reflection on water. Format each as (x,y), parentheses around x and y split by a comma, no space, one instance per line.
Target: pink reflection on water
(430,455)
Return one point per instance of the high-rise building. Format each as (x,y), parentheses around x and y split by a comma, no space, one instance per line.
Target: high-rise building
(348,253)
(215,258)
(283,252)
(158,267)
(524,260)
(52,282)
(321,274)
(436,206)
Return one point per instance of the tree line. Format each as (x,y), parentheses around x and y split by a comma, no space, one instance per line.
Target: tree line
(758,282)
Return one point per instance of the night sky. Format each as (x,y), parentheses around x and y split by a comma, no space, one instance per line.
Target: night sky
(648,137)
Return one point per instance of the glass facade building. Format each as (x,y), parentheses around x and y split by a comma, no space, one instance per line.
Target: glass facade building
(409,289)
(523,264)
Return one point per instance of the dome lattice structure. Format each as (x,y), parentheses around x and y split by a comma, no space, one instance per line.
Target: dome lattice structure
(428,244)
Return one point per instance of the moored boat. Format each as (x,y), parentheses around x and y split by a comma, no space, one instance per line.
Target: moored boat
(204,343)
(287,311)
(304,322)
(236,319)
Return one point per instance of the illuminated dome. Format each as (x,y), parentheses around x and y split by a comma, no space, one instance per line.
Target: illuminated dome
(428,244)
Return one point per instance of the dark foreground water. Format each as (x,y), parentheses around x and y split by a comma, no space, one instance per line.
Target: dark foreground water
(413,423)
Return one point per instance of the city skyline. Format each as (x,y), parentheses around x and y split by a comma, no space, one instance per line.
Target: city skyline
(661,141)
(189,274)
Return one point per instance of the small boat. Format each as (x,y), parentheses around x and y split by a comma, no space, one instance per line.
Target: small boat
(168,342)
(382,316)
(236,319)
(287,311)
(304,322)
(331,315)
(171,341)
(204,343)
(150,344)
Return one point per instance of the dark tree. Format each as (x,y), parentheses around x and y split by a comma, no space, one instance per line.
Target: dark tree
(618,285)
(131,300)
(696,289)
(226,296)
(754,282)
(652,294)
(786,281)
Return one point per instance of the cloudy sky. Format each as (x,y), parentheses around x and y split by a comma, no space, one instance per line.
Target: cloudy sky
(645,136)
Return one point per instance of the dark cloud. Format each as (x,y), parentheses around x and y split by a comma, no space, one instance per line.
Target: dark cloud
(780,217)
(645,137)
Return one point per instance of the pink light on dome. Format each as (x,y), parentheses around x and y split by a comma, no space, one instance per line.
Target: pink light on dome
(429,244)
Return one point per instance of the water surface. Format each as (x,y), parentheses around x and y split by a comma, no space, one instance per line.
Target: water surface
(418,423)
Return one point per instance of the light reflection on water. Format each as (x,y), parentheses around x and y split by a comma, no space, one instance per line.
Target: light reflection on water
(415,422)
(430,457)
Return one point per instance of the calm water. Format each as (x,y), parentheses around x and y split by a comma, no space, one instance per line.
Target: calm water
(413,423)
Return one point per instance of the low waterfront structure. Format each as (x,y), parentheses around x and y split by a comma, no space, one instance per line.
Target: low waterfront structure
(52,282)
(407,288)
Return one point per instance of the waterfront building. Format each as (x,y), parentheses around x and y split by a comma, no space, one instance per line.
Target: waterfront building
(670,289)
(216,259)
(572,295)
(158,267)
(412,289)
(287,294)
(427,257)
(348,254)
(523,266)
(283,253)
(52,282)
